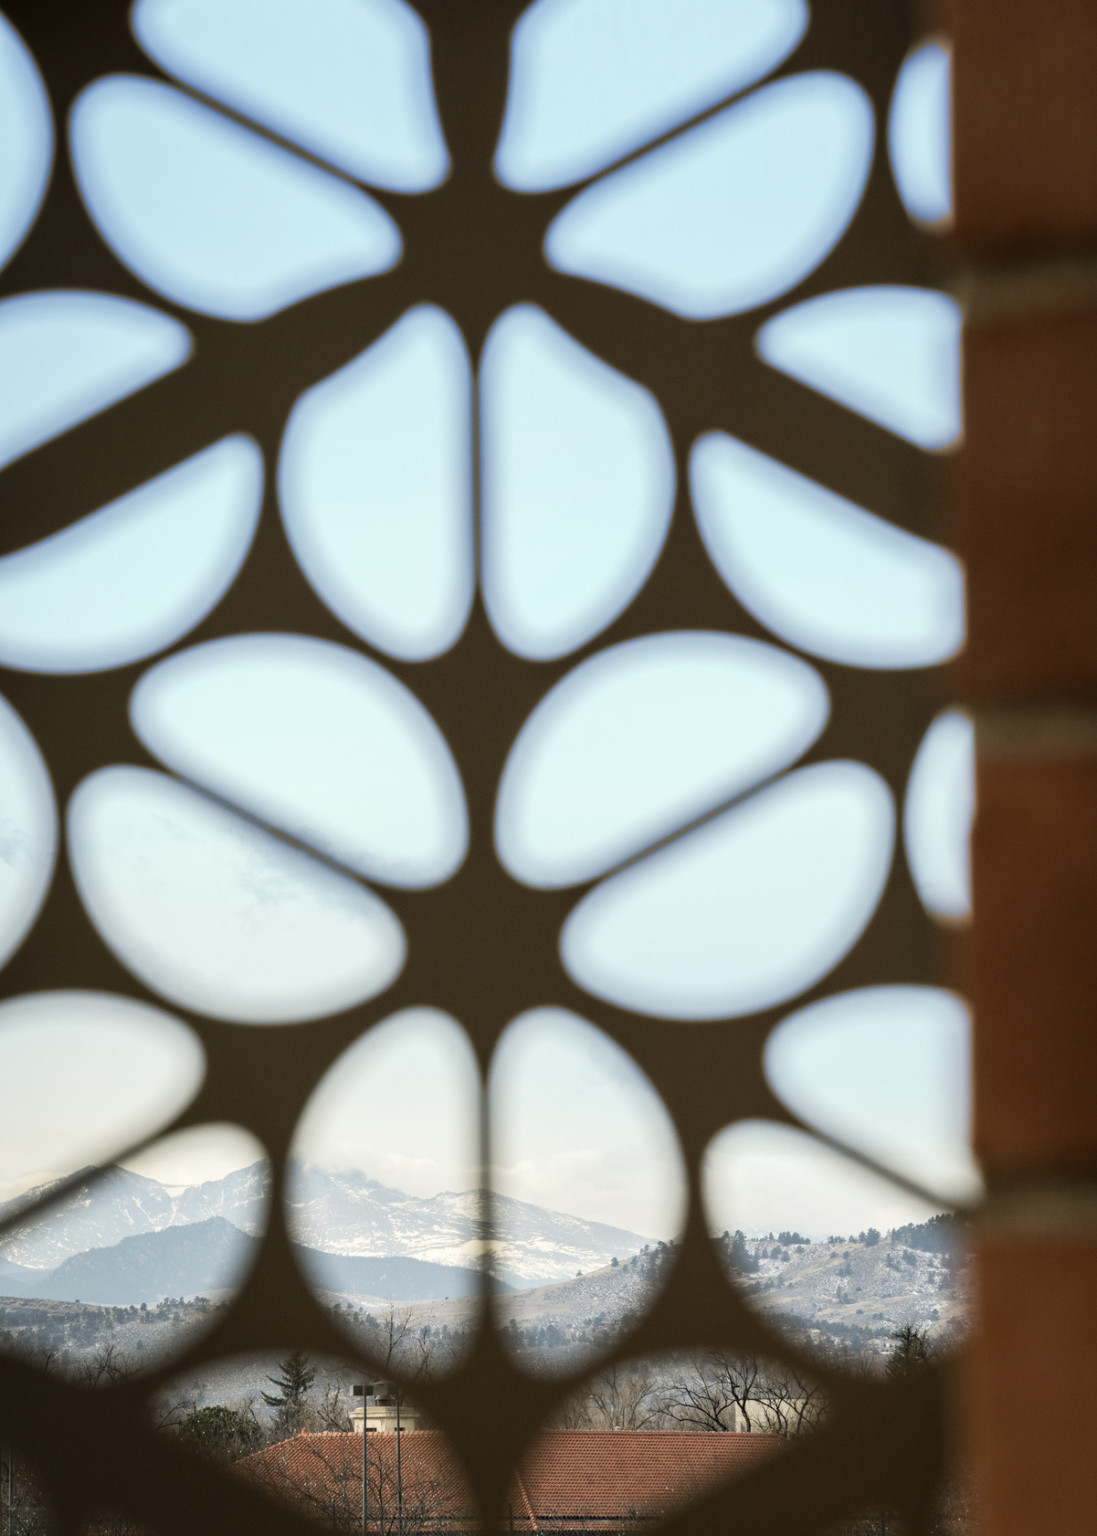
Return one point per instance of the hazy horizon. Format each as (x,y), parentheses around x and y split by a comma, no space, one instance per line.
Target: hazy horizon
(752,1230)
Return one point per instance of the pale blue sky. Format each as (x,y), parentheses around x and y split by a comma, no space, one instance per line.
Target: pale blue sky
(392,428)
(375,489)
(27,136)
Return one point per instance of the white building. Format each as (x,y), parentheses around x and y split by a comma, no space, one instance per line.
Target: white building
(381,1409)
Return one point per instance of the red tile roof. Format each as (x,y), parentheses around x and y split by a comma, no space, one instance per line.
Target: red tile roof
(569,1475)
(614,1474)
(322,1475)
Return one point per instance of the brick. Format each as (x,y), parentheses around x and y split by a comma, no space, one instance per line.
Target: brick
(1023,505)
(1033,963)
(1030,1409)
(1025,120)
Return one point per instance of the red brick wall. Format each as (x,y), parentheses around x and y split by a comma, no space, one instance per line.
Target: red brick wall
(1023,506)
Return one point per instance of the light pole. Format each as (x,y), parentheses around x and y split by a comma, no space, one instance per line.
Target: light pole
(399,1471)
(364,1390)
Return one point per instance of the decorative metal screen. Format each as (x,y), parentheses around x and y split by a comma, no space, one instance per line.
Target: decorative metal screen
(482,944)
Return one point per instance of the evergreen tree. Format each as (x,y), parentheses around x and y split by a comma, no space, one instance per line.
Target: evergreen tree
(912,1350)
(294,1384)
(739,1258)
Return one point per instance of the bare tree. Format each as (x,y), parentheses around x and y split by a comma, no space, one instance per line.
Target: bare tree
(623,1397)
(405,1347)
(409,1345)
(329,1408)
(618,1397)
(107,1367)
(325,1483)
(790,1402)
(720,1392)
(715,1392)
(573,1413)
(24,1509)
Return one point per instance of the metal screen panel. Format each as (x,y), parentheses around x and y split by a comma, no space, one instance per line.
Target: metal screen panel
(482,945)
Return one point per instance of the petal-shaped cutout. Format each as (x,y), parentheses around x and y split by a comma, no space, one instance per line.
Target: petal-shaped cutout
(940,806)
(578,1129)
(318,740)
(376,487)
(365,102)
(217,915)
(383,1192)
(891,354)
(787,1196)
(86,1074)
(745,911)
(642,738)
(578,474)
(764,1178)
(28,830)
(733,212)
(919,134)
(819,571)
(589,82)
(26,132)
(885,1070)
(68,354)
(136,575)
(212,215)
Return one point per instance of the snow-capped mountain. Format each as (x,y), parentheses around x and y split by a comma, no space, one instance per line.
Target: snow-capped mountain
(210,1258)
(239,1197)
(334,1212)
(124,1204)
(348,1213)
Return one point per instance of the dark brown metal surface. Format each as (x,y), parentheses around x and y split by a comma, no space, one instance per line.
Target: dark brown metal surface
(481,946)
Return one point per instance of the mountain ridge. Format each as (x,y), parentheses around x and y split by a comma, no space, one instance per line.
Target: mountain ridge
(206,1257)
(343,1214)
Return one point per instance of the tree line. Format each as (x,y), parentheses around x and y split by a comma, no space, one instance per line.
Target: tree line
(705,1391)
